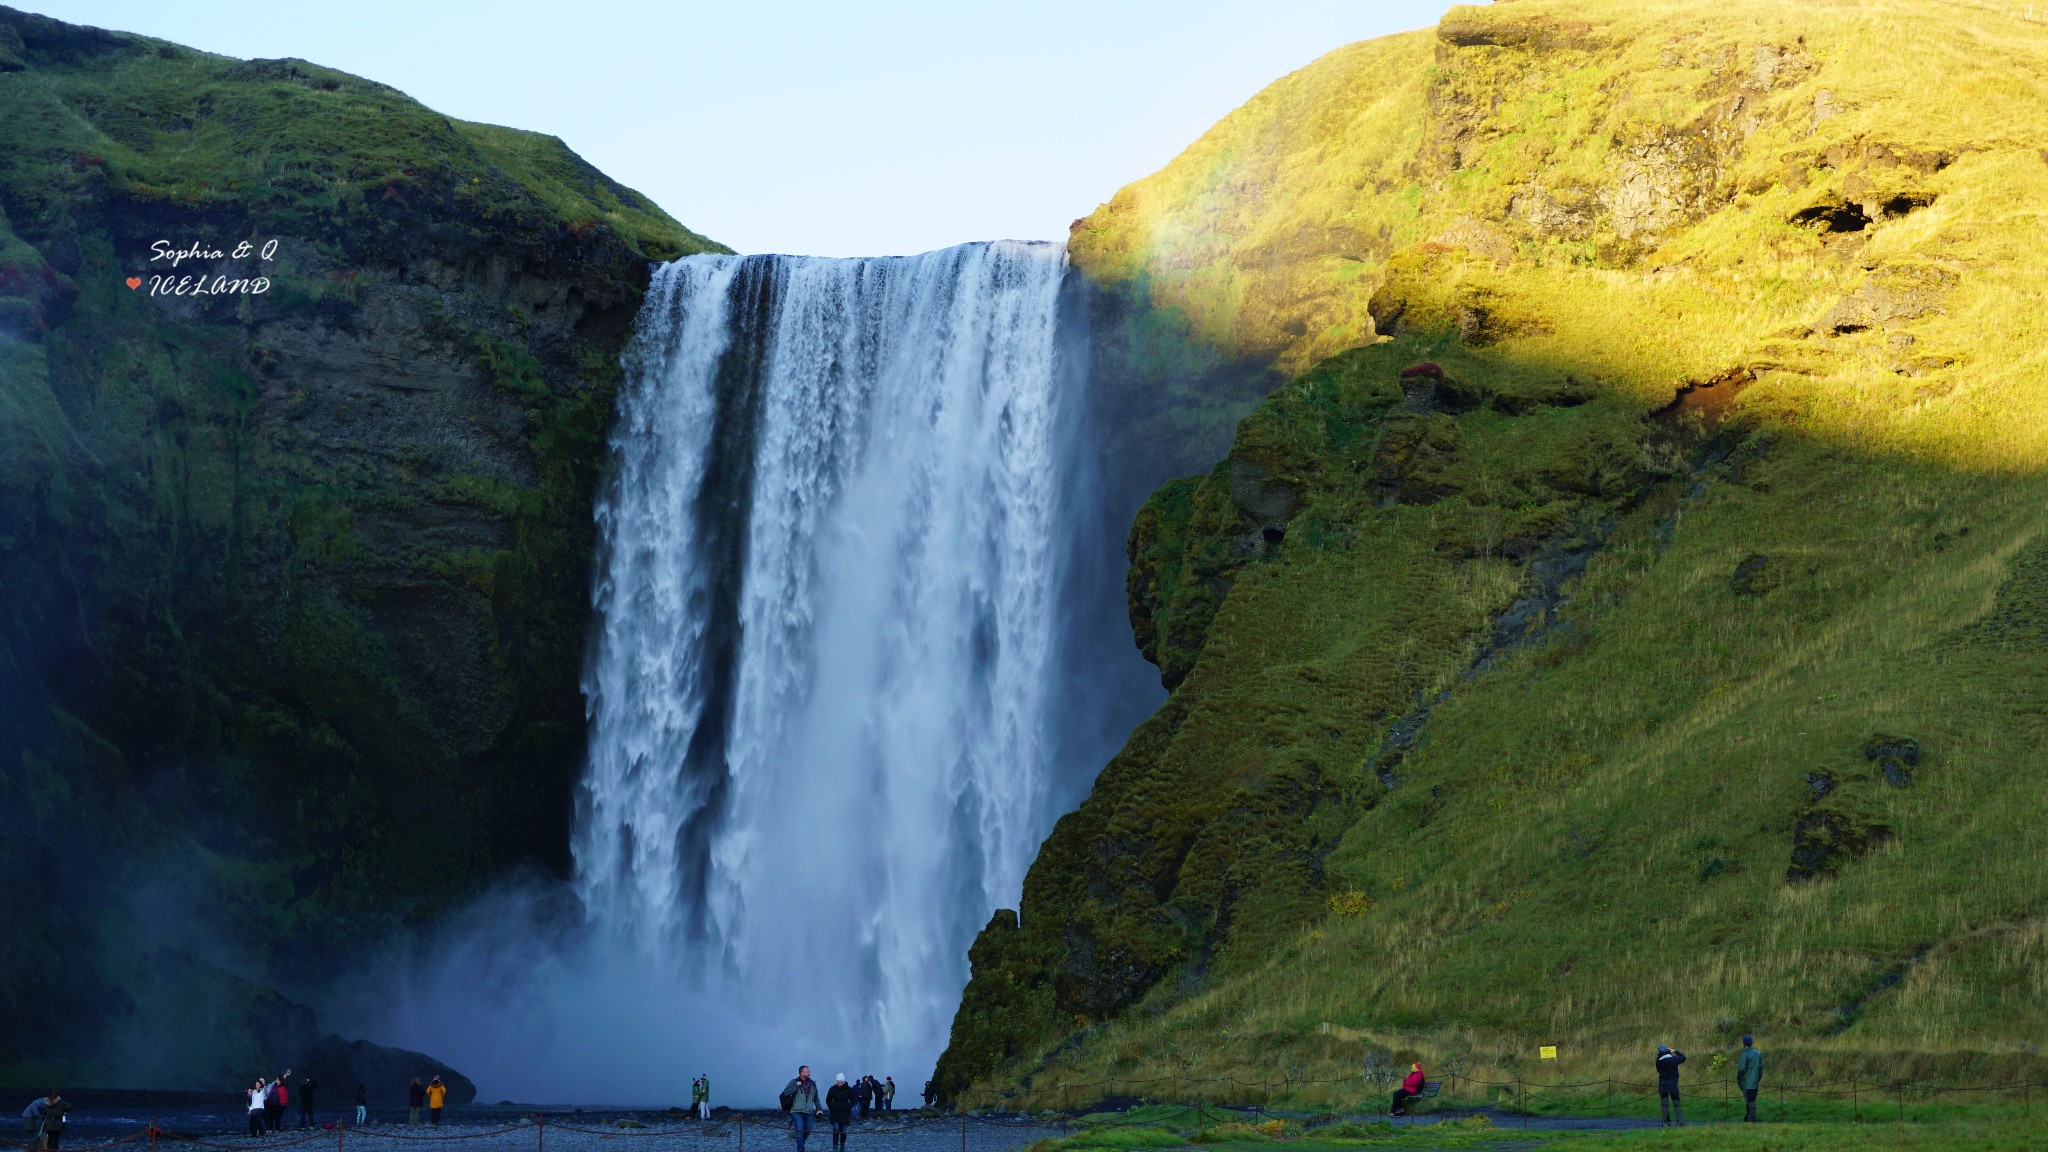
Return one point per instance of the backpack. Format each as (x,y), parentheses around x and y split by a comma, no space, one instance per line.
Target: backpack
(788,1100)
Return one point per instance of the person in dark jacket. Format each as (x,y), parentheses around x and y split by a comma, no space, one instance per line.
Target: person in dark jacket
(1749,1076)
(273,1105)
(1668,1060)
(306,1086)
(52,1125)
(839,1110)
(931,1092)
(415,1099)
(800,1100)
(362,1104)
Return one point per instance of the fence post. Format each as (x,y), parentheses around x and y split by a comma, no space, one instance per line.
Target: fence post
(1524,1101)
(963,1132)
(1902,1103)
(1855,1101)
(743,1132)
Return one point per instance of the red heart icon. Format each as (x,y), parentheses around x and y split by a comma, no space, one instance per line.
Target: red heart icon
(134,282)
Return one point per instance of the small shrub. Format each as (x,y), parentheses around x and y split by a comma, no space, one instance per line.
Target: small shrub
(1352,903)
(1114,1139)
(1232,1133)
(1238,1132)
(1356,1130)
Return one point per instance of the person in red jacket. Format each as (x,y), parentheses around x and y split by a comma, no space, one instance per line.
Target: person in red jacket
(1410,1088)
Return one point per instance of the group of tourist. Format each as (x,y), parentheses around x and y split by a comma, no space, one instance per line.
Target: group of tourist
(1749,1077)
(268,1100)
(841,1104)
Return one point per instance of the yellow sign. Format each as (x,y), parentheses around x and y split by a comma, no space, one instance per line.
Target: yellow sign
(1547,1052)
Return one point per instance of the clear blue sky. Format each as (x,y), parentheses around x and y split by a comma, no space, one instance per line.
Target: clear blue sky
(860,127)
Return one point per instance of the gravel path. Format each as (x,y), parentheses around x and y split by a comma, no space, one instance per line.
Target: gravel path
(189,1126)
(510,1130)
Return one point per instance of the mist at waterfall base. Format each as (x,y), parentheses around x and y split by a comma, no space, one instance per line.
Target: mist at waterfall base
(860,641)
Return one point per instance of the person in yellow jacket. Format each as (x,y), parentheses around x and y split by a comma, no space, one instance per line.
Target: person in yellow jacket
(437,1095)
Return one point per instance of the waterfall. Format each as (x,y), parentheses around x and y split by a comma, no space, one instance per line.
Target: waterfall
(831,550)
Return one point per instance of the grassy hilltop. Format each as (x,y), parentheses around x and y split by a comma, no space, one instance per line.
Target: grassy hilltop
(293,586)
(1669,661)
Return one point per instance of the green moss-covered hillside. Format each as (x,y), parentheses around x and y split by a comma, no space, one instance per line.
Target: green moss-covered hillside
(1627,626)
(293,585)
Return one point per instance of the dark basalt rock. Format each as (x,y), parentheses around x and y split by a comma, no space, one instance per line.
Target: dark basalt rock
(1828,835)
(1754,575)
(339,1065)
(1894,756)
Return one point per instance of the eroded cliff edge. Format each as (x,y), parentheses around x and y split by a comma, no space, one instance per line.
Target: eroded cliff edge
(293,584)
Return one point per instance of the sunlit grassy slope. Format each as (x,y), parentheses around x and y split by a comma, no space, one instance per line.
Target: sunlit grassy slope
(1775,758)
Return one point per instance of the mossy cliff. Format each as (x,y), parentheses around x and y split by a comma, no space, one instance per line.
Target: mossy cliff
(293,584)
(1626,626)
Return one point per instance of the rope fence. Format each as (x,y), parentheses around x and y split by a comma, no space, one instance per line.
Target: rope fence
(1866,1100)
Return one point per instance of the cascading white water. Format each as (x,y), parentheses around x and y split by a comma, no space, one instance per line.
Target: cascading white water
(827,580)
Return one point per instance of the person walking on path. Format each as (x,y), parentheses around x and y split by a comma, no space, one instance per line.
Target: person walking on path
(256,1108)
(800,1100)
(437,1095)
(839,1110)
(1668,1060)
(1410,1088)
(415,1099)
(306,1086)
(931,1092)
(362,1104)
(1749,1076)
(888,1094)
(50,1119)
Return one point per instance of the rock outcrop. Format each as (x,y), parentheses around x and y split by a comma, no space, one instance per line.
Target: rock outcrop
(293,578)
(385,1073)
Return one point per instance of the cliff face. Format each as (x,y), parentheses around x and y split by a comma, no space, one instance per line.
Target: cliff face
(293,583)
(1622,628)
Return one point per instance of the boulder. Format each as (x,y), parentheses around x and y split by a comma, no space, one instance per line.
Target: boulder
(339,1065)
